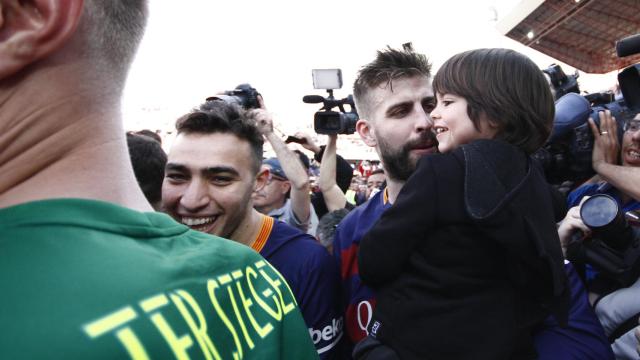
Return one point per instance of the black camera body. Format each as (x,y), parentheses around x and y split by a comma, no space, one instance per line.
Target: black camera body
(326,121)
(243,95)
(562,83)
(567,154)
(614,247)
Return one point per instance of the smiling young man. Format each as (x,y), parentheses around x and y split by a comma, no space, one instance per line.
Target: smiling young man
(213,168)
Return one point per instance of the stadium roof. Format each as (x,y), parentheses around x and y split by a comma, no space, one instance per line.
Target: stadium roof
(580,33)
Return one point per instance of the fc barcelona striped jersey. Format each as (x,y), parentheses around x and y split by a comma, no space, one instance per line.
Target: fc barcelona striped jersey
(313,277)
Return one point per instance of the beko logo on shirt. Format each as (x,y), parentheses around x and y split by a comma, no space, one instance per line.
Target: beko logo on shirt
(328,333)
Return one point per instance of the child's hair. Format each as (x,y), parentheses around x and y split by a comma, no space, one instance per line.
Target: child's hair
(505,87)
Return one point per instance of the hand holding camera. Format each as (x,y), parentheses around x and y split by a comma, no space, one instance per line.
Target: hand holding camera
(264,121)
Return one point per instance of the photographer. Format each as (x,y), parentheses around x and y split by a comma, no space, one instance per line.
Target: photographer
(618,311)
(623,176)
(335,175)
(296,210)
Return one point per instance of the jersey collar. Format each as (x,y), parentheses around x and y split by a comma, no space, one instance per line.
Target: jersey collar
(263,235)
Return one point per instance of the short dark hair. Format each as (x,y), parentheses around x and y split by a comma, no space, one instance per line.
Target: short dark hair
(507,88)
(113,30)
(377,171)
(150,134)
(217,116)
(390,64)
(148,160)
(328,224)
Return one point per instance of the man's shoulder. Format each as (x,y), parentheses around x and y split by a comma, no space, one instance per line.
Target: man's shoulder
(363,216)
(581,191)
(375,204)
(285,238)
(121,229)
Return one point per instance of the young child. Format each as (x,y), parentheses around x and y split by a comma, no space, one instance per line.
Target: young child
(467,261)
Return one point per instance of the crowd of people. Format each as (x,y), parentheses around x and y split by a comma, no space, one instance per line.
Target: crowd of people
(452,246)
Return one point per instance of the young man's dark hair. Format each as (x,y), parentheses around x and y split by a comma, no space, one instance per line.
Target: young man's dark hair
(390,64)
(327,227)
(150,134)
(148,161)
(220,117)
(523,114)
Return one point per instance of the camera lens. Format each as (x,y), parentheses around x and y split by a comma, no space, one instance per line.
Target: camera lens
(599,211)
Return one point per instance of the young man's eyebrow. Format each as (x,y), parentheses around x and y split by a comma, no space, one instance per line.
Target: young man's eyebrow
(214,170)
(175,167)
(207,172)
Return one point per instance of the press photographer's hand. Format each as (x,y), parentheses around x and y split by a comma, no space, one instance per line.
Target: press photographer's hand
(606,147)
(264,121)
(571,223)
(308,143)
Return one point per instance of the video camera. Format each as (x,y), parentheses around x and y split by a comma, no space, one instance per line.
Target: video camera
(614,247)
(327,121)
(561,83)
(567,154)
(243,95)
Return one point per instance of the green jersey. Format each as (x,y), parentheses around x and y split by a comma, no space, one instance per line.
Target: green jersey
(83,279)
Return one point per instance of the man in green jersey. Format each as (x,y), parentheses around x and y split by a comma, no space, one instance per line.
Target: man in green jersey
(86,269)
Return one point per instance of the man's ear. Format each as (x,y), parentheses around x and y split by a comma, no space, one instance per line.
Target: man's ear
(261,179)
(32,29)
(285,186)
(366,132)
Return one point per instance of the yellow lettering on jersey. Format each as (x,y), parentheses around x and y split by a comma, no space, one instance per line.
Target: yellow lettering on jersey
(284,282)
(276,314)
(133,345)
(126,336)
(199,330)
(263,331)
(212,285)
(224,279)
(154,303)
(110,322)
(276,286)
(247,338)
(179,345)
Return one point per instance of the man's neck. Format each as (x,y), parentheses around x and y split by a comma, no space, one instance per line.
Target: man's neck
(393,188)
(247,232)
(67,142)
(274,206)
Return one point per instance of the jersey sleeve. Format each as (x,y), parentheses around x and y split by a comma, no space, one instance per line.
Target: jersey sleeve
(319,300)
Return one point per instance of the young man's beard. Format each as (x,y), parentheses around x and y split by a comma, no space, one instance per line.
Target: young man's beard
(397,163)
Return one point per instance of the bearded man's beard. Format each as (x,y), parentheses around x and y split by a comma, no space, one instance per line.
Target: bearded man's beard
(398,164)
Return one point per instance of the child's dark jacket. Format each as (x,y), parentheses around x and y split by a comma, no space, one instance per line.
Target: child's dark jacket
(467,261)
